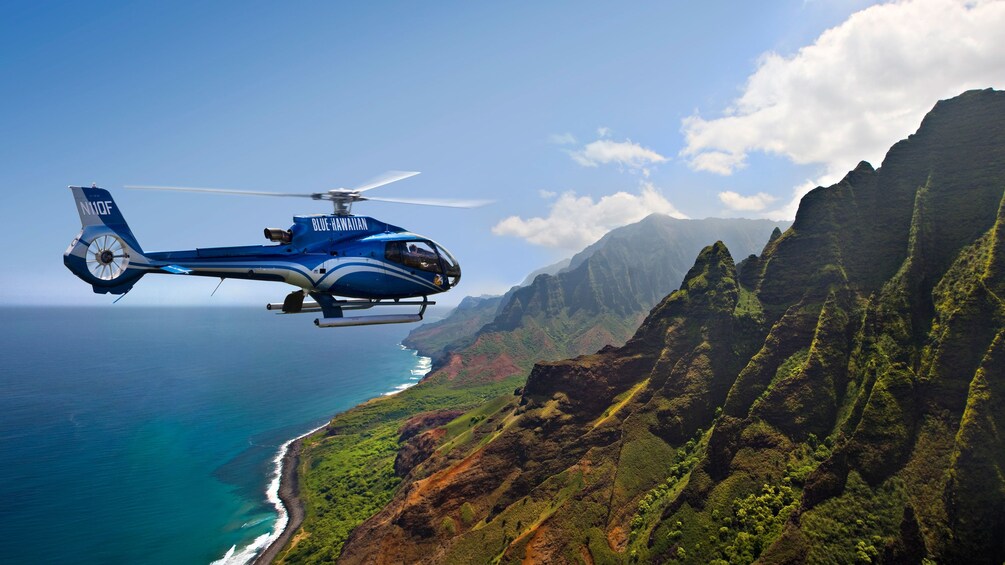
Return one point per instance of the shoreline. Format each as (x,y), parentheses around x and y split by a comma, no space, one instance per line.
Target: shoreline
(289,482)
(289,497)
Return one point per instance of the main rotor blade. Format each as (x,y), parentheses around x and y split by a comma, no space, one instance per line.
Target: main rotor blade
(433,202)
(216,191)
(386,178)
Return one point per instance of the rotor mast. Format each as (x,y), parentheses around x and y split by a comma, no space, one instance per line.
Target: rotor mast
(343,207)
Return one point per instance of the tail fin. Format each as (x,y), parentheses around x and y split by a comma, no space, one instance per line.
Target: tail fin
(105,254)
(96,208)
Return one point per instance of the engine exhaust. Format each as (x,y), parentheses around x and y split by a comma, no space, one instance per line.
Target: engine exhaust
(279,235)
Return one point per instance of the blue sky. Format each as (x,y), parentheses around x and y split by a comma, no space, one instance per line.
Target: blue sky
(696,109)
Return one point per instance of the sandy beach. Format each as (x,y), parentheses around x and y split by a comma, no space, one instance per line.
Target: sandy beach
(289,491)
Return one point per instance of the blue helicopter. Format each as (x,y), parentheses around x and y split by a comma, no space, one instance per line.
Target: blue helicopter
(343,262)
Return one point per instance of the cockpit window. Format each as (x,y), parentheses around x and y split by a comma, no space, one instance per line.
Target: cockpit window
(427,256)
(416,254)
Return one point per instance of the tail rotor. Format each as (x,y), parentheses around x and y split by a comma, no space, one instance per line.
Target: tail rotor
(106,257)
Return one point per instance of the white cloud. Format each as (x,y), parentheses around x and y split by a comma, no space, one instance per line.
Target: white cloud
(577,221)
(562,139)
(603,131)
(859,88)
(547,194)
(718,162)
(624,153)
(738,202)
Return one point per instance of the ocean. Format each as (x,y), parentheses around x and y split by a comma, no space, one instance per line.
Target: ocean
(150,435)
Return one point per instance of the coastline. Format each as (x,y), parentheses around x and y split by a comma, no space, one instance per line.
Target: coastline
(282,492)
(289,504)
(289,497)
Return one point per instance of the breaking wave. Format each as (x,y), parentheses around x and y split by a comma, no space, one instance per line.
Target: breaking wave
(422,367)
(248,553)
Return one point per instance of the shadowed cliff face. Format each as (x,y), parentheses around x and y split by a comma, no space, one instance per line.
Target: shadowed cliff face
(838,398)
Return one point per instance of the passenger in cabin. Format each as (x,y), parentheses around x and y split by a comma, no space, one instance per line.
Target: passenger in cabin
(412,255)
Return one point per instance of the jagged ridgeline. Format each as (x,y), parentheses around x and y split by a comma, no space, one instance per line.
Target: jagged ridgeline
(599,298)
(838,399)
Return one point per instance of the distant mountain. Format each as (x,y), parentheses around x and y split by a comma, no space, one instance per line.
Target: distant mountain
(839,398)
(552,269)
(432,339)
(598,300)
(473,312)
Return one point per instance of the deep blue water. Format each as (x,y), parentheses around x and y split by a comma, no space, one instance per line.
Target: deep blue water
(147,435)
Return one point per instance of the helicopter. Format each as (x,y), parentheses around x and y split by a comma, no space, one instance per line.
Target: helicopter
(343,262)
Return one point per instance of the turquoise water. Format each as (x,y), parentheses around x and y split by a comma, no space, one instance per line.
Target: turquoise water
(147,435)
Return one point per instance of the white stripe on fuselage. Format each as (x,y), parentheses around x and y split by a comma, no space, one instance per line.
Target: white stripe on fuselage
(346,271)
(379,266)
(299,275)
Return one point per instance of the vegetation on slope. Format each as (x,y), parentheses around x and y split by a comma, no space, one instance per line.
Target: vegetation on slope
(347,470)
(836,399)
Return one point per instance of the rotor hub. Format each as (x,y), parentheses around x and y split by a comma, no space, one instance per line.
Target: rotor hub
(107,256)
(342,199)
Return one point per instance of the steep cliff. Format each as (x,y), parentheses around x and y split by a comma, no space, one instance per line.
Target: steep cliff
(838,398)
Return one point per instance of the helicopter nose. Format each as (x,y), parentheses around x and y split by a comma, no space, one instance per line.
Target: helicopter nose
(453,268)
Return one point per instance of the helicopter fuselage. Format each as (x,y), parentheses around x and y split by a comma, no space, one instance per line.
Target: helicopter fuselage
(350,256)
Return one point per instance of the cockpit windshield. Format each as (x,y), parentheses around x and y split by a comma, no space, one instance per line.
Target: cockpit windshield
(424,256)
(453,267)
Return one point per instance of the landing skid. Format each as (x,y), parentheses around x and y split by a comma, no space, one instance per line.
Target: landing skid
(332,310)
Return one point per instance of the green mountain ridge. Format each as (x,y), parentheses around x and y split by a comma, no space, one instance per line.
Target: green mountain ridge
(837,399)
(598,300)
